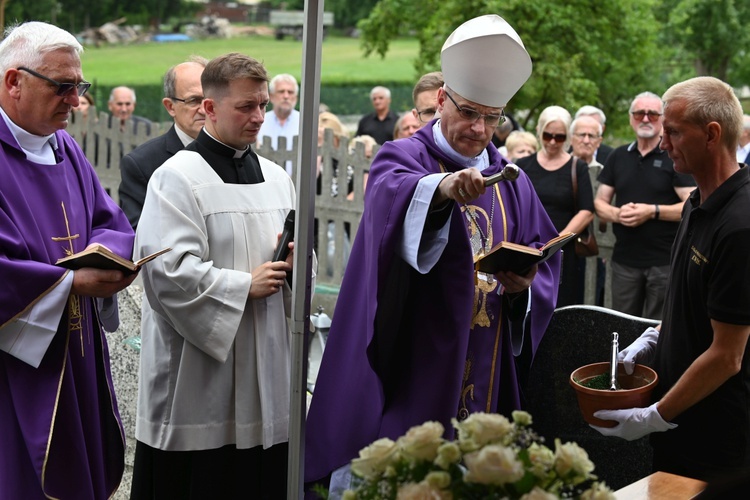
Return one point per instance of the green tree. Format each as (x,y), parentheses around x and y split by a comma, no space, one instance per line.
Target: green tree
(600,52)
(711,34)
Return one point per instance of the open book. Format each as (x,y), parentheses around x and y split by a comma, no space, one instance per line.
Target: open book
(507,256)
(101,257)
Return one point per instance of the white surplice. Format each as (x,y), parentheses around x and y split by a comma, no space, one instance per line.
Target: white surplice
(215,365)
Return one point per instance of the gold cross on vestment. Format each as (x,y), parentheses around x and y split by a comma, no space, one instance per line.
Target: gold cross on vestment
(69,238)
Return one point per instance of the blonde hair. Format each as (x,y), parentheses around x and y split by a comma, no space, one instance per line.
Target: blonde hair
(552,114)
(521,138)
(708,99)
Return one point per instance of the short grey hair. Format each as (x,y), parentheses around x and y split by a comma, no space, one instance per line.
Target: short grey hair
(646,94)
(283,77)
(589,110)
(170,78)
(573,125)
(380,89)
(708,99)
(112,92)
(27,44)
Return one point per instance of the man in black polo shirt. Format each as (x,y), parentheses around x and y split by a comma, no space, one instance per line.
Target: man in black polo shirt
(649,196)
(701,420)
(380,123)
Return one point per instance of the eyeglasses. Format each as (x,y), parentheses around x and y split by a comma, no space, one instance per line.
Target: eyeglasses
(426,114)
(584,135)
(652,115)
(546,136)
(190,102)
(490,120)
(63,89)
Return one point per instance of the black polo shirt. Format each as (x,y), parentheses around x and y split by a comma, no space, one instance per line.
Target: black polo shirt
(709,279)
(643,179)
(380,130)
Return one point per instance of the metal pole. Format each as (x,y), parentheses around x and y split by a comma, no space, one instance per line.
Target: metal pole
(312,37)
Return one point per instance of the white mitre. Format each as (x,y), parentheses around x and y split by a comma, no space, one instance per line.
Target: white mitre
(484,61)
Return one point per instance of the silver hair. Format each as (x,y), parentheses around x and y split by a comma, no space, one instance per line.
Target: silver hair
(589,110)
(642,95)
(112,92)
(584,115)
(283,77)
(27,44)
(552,114)
(379,89)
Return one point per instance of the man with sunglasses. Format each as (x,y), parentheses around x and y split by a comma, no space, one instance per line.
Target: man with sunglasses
(648,198)
(430,338)
(183,97)
(60,431)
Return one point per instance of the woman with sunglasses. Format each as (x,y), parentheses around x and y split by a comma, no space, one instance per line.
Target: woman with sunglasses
(550,172)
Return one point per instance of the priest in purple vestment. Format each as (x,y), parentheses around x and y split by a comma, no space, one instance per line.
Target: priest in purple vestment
(417,334)
(60,432)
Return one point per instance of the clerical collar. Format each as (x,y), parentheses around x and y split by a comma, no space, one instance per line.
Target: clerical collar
(218,147)
(480,161)
(39,149)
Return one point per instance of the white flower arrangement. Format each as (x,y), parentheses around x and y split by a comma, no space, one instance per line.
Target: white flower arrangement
(490,458)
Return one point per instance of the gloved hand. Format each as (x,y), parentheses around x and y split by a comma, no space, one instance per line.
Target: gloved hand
(641,349)
(633,423)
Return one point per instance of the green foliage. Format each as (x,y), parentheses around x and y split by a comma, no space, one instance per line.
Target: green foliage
(710,33)
(600,52)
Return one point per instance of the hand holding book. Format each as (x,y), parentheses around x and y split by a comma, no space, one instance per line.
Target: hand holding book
(100,257)
(508,256)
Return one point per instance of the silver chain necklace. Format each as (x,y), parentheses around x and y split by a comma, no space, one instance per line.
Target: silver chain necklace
(480,243)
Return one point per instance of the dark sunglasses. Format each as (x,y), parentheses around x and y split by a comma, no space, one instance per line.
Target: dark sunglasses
(652,115)
(471,115)
(546,136)
(63,89)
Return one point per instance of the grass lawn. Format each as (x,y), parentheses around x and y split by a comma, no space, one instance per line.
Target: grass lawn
(343,59)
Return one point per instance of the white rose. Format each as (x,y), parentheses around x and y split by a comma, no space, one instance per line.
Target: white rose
(598,491)
(493,464)
(448,453)
(538,494)
(438,479)
(422,442)
(542,459)
(572,462)
(480,429)
(421,491)
(522,418)
(374,459)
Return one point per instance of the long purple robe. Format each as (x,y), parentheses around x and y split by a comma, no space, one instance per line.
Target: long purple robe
(60,431)
(405,347)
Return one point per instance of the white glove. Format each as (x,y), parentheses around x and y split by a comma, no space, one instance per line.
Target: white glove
(633,423)
(641,349)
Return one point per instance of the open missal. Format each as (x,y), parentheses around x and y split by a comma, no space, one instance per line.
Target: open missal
(508,256)
(100,257)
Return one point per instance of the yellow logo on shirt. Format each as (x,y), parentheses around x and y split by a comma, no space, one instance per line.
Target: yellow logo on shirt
(697,257)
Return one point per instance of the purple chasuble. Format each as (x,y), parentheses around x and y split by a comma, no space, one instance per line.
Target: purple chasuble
(60,431)
(405,347)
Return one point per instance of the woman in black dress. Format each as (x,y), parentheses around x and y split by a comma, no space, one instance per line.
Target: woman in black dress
(550,173)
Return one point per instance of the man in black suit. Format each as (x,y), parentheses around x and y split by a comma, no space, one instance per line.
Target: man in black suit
(183,96)
(603,150)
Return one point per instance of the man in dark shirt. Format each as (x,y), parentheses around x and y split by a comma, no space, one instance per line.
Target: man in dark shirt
(701,420)
(380,123)
(648,195)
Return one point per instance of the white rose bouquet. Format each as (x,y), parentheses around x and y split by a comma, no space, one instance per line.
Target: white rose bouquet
(491,457)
